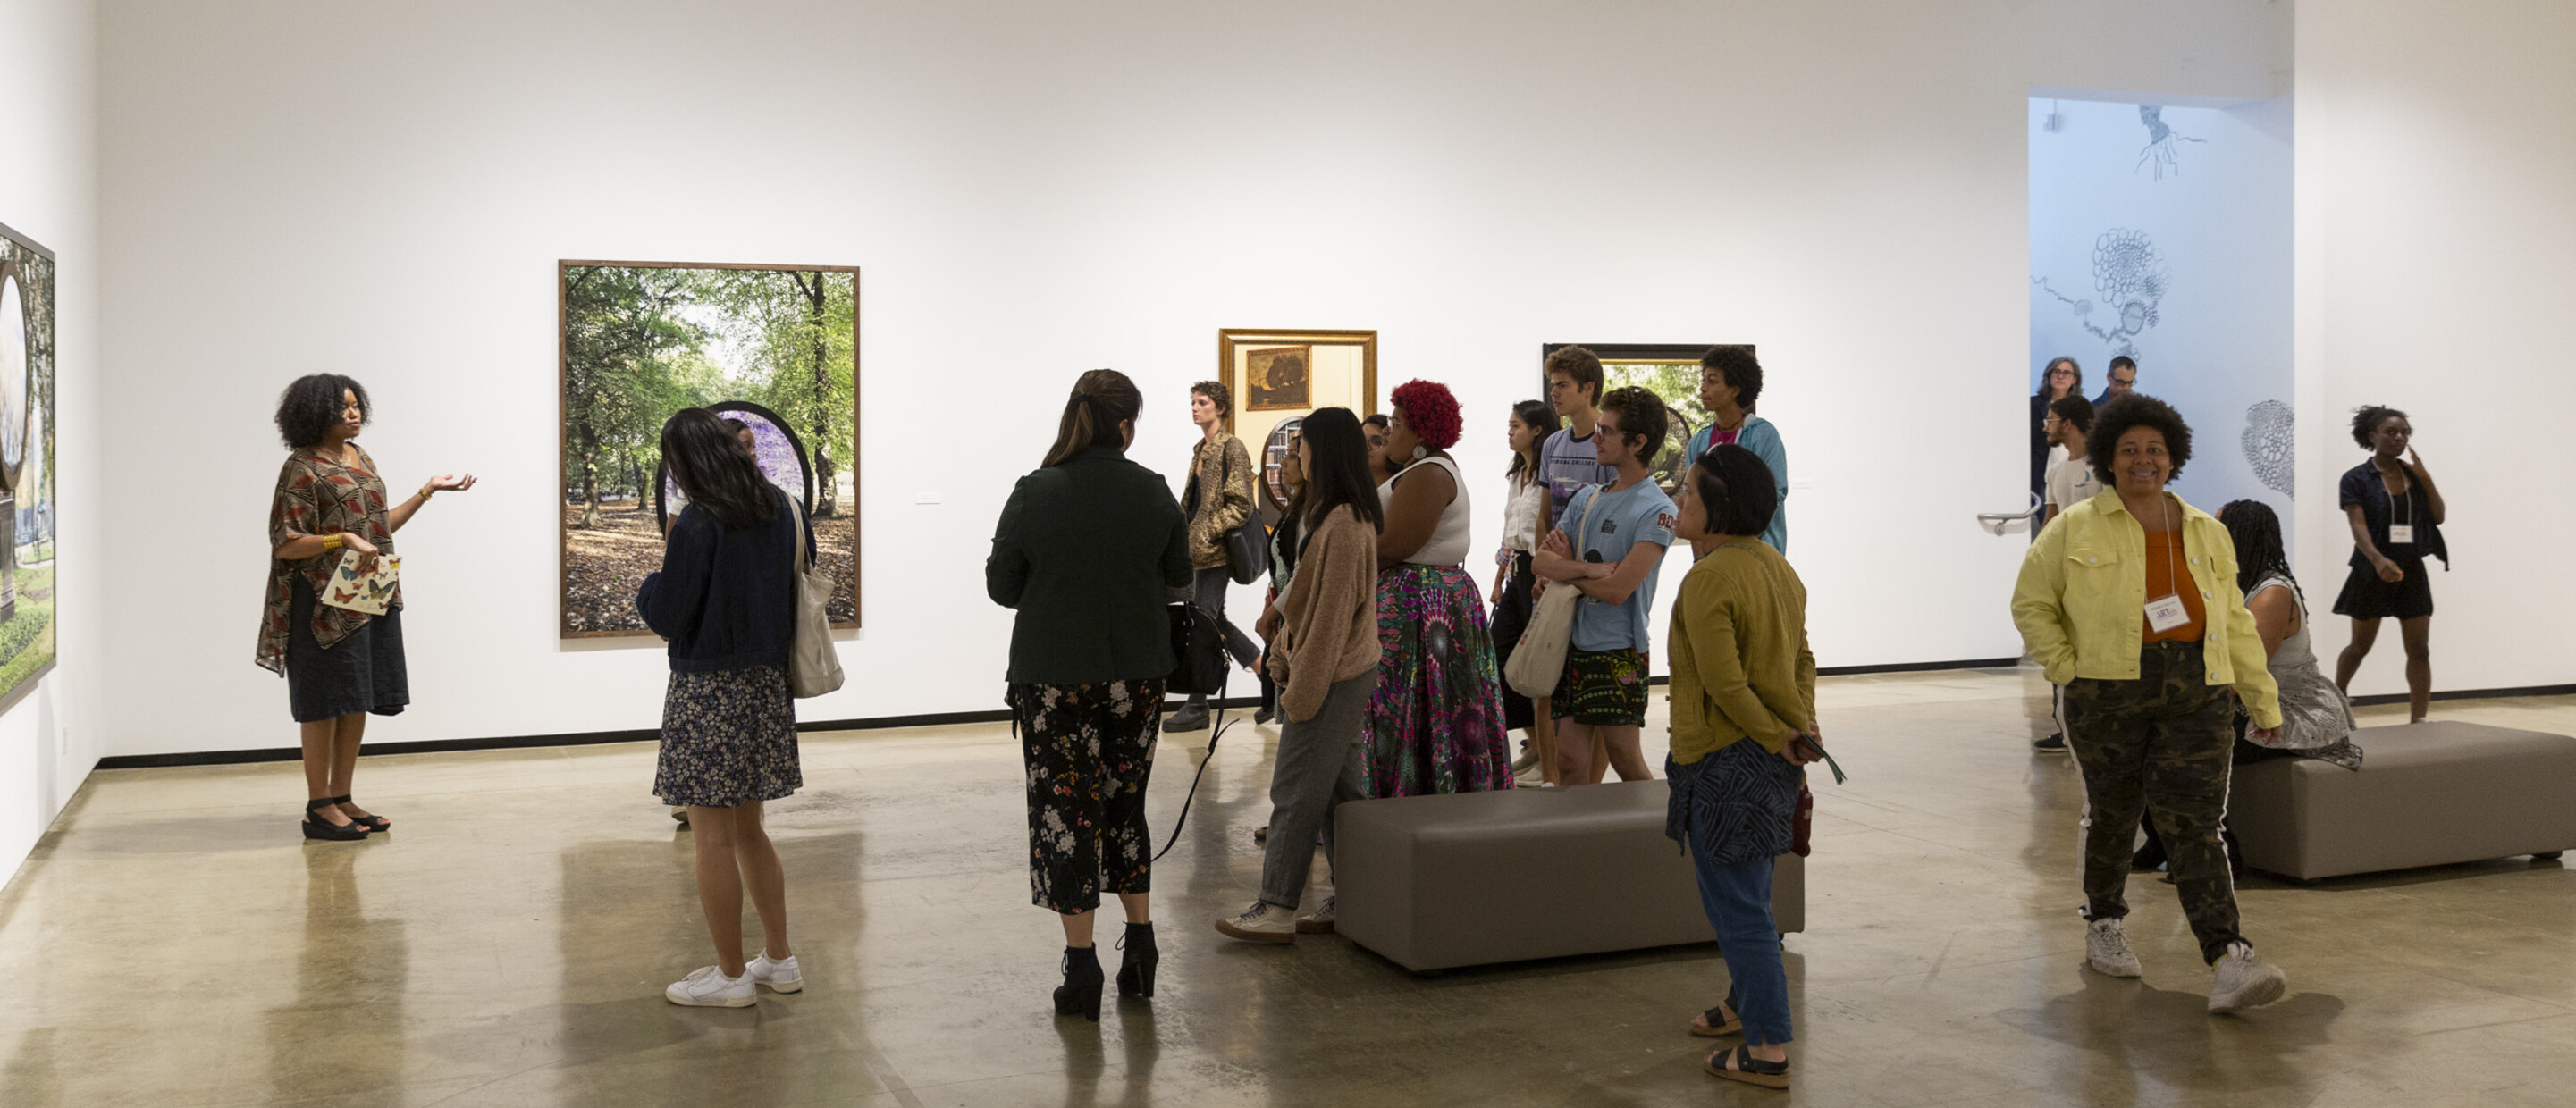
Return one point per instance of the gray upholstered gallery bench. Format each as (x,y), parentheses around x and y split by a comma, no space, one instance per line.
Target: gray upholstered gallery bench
(2426,794)
(1433,882)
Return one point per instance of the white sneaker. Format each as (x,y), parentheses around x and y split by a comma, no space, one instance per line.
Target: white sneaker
(1261,923)
(2242,979)
(710,988)
(2106,949)
(1319,921)
(780,975)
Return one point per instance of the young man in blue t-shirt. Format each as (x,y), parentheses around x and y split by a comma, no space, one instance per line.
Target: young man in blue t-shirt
(1569,460)
(1610,545)
(1730,380)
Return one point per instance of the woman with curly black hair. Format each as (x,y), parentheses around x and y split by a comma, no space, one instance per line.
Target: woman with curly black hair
(2396,516)
(2131,602)
(340,664)
(1435,723)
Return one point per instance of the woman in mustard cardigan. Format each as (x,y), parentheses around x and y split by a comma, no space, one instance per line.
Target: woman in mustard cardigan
(1324,653)
(1744,685)
(2130,601)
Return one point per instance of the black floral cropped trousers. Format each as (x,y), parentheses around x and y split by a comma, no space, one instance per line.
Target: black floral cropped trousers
(1089,751)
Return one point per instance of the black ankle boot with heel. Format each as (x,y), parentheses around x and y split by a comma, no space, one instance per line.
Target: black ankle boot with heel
(1136,971)
(1080,993)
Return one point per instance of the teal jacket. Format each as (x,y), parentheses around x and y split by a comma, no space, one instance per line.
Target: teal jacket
(1763,439)
(1088,551)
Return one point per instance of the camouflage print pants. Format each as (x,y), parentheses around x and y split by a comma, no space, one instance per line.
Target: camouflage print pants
(2158,746)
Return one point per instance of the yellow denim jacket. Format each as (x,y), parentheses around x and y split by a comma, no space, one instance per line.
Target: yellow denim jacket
(2081,602)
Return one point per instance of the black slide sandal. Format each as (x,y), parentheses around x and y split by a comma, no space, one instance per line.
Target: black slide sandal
(1744,1067)
(326,830)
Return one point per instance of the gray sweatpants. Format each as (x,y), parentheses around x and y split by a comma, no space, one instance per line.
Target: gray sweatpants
(1319,766)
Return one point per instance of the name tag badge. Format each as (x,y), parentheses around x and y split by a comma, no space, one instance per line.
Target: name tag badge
(2401,534)
(2165,613)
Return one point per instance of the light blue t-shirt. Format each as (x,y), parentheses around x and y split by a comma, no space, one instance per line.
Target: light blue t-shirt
(1639,513)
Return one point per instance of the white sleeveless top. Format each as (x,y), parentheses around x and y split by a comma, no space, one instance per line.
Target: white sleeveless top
(1448,543)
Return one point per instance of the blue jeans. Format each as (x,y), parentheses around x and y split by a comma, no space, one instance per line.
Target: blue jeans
(1737,898)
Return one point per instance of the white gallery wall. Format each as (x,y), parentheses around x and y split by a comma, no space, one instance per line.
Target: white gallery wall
(52,734)
(2437,263)
(1034,190)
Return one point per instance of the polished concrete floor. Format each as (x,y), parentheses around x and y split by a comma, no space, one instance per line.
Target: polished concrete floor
(174,942)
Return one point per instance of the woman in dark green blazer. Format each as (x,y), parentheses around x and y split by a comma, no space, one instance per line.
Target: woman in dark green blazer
(1087,550)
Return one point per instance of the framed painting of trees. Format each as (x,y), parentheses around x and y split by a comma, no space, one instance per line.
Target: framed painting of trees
(26,464)
(775,347)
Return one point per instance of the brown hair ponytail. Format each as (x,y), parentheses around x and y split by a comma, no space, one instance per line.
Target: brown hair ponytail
(1102,399)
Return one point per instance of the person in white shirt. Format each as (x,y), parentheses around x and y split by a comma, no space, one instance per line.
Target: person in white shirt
(1532,421)
(2071,479)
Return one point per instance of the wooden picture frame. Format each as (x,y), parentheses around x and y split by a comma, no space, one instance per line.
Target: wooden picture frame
(1340,371)
(604,580)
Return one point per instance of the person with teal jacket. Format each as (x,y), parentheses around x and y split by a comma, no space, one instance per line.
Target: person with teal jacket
(1730,380)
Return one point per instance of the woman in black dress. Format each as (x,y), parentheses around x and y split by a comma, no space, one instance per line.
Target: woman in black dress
(2062,378)
(340,664)
(2396,516)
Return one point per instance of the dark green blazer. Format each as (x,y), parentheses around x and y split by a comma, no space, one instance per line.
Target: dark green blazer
(1088,551)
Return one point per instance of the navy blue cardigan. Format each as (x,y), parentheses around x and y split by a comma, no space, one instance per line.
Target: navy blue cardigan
(725,598)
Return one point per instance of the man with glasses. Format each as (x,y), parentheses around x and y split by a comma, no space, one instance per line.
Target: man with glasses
(2124,380)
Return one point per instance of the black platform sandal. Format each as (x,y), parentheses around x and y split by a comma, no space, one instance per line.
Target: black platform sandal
(1080,993)
(326,830)
(1716,1023)
(1136,971)
(1743,1066)
(371,823)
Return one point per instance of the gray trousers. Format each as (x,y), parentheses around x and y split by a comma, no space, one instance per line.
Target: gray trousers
(1320,765)
(1207,590)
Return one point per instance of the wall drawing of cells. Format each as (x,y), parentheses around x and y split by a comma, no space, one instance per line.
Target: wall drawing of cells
(2269,436)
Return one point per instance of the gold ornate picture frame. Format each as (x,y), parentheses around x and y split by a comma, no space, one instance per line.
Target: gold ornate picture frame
(1280,374)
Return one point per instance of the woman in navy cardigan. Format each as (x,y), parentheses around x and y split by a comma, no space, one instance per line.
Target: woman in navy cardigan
(726,600)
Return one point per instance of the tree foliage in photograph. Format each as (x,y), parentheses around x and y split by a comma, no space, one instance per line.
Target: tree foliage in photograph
(797,330)
(630,360)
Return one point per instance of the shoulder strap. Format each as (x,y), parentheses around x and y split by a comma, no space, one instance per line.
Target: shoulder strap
(804,559)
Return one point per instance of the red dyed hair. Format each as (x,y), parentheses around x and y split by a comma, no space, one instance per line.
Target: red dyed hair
(1431,411)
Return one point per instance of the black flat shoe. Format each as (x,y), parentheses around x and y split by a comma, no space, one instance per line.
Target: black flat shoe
(323,829)
(1080,993)
(371,823)
(1136,971)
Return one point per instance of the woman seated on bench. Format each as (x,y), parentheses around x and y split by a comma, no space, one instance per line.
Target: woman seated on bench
(2316,719)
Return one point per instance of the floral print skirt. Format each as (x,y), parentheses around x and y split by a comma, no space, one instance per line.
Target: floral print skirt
(1089,751)
(728,738)
(1435,724)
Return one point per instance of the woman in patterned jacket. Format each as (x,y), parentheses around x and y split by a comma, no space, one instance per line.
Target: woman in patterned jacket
(340,664)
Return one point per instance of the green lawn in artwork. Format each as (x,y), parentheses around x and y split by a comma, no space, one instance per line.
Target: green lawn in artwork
(27,640)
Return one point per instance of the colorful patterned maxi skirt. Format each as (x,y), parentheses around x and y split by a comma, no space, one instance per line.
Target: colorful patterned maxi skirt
(1435,724)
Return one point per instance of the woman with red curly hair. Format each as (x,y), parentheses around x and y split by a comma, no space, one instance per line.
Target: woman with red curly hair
(1435,724)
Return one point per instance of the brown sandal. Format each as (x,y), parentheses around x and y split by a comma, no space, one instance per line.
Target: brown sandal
(1715,1023)
(1744,1067)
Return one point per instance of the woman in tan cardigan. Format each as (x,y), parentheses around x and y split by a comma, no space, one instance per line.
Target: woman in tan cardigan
(1324,654)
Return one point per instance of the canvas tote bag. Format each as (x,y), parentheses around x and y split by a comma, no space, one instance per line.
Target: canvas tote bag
(1539,661)
(813,667)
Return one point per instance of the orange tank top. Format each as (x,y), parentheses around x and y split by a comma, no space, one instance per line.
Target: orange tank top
(2169,574)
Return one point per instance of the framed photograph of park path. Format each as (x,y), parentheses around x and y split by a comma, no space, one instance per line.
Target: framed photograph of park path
(775,347)
(26,464)
(1280,375)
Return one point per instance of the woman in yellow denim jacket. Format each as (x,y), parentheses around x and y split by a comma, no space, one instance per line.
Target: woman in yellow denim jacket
(2130,600)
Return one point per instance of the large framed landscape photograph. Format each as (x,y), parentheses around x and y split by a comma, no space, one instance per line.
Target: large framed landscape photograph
(772,347)
(26,464)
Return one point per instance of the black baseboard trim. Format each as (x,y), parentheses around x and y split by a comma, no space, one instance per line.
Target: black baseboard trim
(2469,694)
(1918,667)
(583,738)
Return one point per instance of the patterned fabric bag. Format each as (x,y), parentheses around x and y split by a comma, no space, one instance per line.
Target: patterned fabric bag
(363,583)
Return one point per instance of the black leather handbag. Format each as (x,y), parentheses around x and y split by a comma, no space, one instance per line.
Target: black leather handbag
(1198,652)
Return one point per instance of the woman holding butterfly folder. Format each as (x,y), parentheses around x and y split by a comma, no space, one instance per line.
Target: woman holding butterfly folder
(332,622)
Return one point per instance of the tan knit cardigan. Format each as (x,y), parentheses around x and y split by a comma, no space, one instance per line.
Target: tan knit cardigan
(1328,620)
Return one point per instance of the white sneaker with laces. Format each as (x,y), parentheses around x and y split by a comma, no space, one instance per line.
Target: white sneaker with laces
(710,988)
(2242,979)
(781,975)
(1261,923)
(2106,949)
(1319,921)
